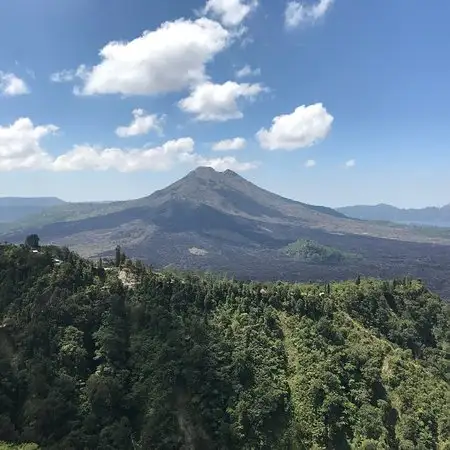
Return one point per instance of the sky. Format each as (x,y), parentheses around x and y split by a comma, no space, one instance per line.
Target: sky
(330,102)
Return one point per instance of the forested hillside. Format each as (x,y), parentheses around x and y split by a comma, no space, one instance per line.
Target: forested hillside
(123,358)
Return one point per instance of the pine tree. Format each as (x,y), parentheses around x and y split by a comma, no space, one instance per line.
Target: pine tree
(118,256)
(32,241)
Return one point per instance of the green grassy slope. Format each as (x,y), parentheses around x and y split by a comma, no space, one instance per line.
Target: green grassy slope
(312,252)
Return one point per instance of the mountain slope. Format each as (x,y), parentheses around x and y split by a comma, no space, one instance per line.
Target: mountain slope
(190,362)
(433,216)
(224,192)
(233,194)
(16,208)
(219,221)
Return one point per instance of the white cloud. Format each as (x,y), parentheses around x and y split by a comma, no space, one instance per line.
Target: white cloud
(218,102)
(350,163)
(230,12)
(237,143)
(66,76)
(246,41)
(141,124)
(247,71)
(310,163)
(20,148)
(227,162)
(63,76)
(167,59)
(302,128)
(298,12)
(164,157)
(20,145)
(11,85)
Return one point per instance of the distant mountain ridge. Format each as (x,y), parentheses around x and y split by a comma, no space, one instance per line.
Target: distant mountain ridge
(219,221)
(205,193)
(434,216)
(16,208)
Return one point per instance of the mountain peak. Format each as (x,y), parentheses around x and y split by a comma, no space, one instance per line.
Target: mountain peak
(230,173)
(204,173)
(210,171)
(204,170)
(211,174)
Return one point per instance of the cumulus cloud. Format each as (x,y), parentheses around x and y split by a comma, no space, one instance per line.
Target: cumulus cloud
(142,123)
(237,143)
(302,128)
(230,12)
(350,163)
(228,162)
(310,163)
(164,157)
(167,59)
(21,148)
(66,76)
(218,102)
(298,12)
(20,145)
(247,71)
(11,85)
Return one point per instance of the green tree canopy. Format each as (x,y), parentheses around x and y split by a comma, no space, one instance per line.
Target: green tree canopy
(32,241)
(191,361)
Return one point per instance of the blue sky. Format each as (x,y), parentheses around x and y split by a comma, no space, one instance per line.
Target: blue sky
(340,102)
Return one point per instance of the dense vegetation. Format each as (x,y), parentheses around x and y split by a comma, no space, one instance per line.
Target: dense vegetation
(9,446)
(95,357)
(313,252)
